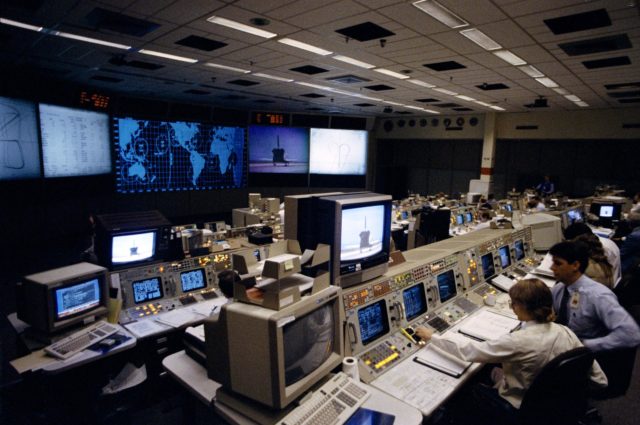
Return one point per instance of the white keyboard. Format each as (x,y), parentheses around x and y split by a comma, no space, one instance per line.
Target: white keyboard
(78,341)
(331,404)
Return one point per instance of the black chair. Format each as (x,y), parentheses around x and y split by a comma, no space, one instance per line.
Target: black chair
(558,395)
(618,366)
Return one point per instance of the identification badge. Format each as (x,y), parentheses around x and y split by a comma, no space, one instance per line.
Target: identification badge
(575,300)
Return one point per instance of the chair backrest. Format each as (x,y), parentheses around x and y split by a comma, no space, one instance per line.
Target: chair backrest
(558,395)
(618,366)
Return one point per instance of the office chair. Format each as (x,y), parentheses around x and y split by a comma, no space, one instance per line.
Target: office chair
(558,395)
(618,366)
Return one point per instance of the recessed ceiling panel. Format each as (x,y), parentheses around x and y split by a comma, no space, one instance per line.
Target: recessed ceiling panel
(608,62)
(579,22)
(444,66)
(596,45)
(365,31)
(201,43)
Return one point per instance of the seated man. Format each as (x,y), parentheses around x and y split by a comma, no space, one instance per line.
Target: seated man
(546,188)
(588,308)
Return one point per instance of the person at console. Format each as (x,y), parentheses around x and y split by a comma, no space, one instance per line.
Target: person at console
(546,187)
(589,308)
(484,220)
(611,250)
(523,353)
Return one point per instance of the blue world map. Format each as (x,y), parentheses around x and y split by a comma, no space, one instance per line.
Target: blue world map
(178,155)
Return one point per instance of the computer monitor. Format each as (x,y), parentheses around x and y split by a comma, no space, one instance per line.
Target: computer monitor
(546,229)
(147,290)
(415,302)
(469,217)
(508,207)
(373,322)
(275,356)
(488,267)
(192,280)
(446,285)
(505,256)
(338,152)
(519,249)
(357,226)
(131,239)
(58,299)
(459,219)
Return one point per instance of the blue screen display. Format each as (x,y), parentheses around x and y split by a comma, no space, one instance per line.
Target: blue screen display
(519,248)
(77,298)
(415,302)
(192,280)
(160,156)
(278,150)
(446,286)
(146,290)
(487,266)
(505,256)
(469,217)
(373,321)
(459,219)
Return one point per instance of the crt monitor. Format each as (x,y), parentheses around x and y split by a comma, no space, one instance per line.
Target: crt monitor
(131,239)
(505,256)
(373,322)
(469,217)
(357,226)
(58,299)
(518,246)
(193,280)
(147,290)
(415,302)
(459,219)
(487,266)
(446,285)
(508,207)
(275,356)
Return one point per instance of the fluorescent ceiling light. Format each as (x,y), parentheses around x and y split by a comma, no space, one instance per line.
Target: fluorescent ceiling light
(228,68)
(272,77)
(431,111)
(445,91)
(509,57)
(392,103)
(560,90)
(421,83)
(583,104)
(391,73)
(531,71)
(92,40)
(481,39)
(547,82)
(414,107)
(441,13)
(573,98)
(352,61)
(467,98)
(304,46)
(315,86)
(240,27)
(482,103)
(497,108)
(20,25)
(167,56)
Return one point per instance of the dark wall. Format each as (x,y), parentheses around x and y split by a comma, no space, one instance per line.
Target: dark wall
(576,166)
(426,166)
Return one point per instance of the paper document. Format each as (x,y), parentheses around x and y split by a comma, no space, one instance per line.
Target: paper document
(487,325)
(442,361)
(544,268)
(145,327)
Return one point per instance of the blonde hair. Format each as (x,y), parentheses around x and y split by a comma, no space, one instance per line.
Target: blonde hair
(536,298)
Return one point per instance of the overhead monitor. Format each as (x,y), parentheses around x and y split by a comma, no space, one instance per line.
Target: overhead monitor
(75,142)
(133,247)
(161,156)
(282,150)
(335,151)
(446,285)
(373,322)
(19,150)
(415,302)
(505,256)
(488,266)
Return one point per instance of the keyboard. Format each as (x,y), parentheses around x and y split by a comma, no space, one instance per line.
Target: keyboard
(331,404)
(78,341)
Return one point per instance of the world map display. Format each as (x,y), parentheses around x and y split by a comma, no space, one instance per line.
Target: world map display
(155,156)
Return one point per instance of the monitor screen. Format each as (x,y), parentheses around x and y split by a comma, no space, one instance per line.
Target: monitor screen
(75,142)
(335,151)
(19,150)
(469,217)
(308,342)
(446,285)
(362,231)
(606,211)
(373,321)
(193,280)
(505,256)
(77,298)
(574,216)
(159,156)
(147,290)
(508,207)
(519,248)
(133,247)
(278,150)
(459,219)
(415,302)
(487,266)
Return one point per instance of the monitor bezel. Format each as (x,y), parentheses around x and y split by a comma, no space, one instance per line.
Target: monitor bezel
(423,297)
(133,284)
(521,243)
(204,280)
(73,282)
(150,259)
(484,271)
(454,287)
(508,252)
(384,320)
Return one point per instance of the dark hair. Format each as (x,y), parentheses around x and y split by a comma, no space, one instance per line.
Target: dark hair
(536,297)
(576,229)
(485,214)
(571,252)
(226,279)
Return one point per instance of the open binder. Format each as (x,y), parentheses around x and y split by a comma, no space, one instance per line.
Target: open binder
(441,361)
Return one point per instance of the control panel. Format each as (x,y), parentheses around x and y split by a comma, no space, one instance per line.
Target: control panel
(152,289)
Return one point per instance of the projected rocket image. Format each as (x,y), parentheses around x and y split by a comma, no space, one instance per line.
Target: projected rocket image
(278,150)
(362,230)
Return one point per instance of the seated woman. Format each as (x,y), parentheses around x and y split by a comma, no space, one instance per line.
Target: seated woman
(523,353)
(599,268)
